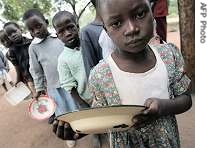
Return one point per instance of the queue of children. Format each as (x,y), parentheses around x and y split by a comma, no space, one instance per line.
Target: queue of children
(59,65)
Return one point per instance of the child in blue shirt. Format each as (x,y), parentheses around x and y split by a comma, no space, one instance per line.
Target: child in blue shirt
(70,62)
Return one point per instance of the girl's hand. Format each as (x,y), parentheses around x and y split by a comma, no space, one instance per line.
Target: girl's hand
(153,107)
(64,131)
(152,111)
(39,93)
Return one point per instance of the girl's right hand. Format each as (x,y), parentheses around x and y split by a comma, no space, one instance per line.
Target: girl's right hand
(39,93)
(64,131)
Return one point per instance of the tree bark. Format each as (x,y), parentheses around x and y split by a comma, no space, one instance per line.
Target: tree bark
(187,33)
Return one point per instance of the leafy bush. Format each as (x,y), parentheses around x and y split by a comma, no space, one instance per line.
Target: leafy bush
(173,8)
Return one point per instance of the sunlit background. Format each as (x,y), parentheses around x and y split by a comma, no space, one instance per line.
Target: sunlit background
(12,10)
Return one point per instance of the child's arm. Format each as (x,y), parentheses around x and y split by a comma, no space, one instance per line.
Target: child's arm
(18,72)
(36,72)
(12,57)
(180,87)
(63,129)
(67,80)
(162,107)
(77,97)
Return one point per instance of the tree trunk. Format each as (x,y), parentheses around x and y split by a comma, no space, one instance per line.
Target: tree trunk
(187,33)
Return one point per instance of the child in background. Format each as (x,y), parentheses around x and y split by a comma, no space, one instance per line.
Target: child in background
(4,69)
(43,52)
(160,12)
(70,62)
(5,40)
(18,54)
(91,50)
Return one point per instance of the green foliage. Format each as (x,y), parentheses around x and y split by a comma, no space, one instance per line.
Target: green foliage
(13,9)
(87,17)
(173,8)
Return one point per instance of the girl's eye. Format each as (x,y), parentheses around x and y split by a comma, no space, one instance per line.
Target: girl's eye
(71,27)
(38,26)
(60,32)
(116,25)
(140,15)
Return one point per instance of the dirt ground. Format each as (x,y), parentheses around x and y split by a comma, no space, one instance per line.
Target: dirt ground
(18,130)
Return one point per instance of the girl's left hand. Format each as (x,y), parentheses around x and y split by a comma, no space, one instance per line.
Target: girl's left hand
(153,107)
(152,111)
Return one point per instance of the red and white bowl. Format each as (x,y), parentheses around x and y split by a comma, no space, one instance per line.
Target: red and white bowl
(42,108)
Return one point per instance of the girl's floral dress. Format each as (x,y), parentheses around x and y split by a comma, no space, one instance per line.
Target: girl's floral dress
(159,133)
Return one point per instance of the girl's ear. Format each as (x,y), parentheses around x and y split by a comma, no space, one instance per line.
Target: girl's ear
(47,22)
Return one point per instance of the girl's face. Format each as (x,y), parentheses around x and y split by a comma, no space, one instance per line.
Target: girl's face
(5,40)
(13,33)
(67,31)
(130,24)
(37,27)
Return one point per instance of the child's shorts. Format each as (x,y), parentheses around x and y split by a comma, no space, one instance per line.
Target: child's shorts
(4,76)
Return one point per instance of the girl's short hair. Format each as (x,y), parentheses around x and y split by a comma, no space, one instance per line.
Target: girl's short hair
(11,23)
(31,12)
(61,13)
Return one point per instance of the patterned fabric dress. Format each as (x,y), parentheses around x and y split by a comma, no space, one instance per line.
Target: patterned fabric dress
(159,133)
